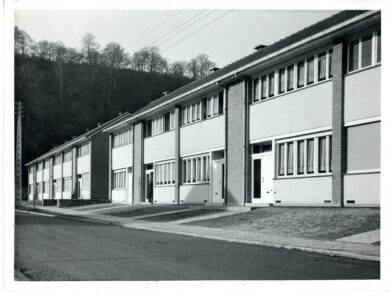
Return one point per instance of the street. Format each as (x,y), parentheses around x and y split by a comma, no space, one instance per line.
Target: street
(50,248)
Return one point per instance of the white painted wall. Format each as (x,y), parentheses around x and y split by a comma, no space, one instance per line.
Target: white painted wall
(119,195)
(301,110)
(363,94)
(363,189)
(46,175)
(194,193)
(164,195)
(311,190)
(85,194)
(122,157)
(57,171)
(39,176)
(202,136)
(84,164)
(45,195)
(66,195)
(159,147)
(67,169)
(57,195)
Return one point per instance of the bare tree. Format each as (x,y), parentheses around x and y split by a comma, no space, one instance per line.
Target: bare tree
(204,64)
(60,54)
(114,58)
(193,68)
(23,41)
(178,68)
(90,49)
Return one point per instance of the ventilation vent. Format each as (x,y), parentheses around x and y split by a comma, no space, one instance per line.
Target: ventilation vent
(327,201)
(205,200)
(350,201)
(278,201)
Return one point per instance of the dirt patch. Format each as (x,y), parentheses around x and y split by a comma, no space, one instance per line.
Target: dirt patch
(181,215)
(317,223)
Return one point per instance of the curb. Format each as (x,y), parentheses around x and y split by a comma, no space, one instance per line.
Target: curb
(330,253)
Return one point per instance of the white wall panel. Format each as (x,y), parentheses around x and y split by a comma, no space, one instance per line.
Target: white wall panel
(57,172)
(194,193)
(83,164)
(363,189)
(164,195)
(159,147)
(67,169)
(122,157)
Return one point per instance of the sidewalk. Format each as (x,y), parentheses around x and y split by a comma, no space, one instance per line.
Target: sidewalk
(359,246)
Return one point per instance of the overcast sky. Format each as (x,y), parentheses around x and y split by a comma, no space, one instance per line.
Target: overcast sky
(222,34)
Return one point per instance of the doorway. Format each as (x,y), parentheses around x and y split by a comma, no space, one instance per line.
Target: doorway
(262,184)
(217,196)
(149,184)
(130,186)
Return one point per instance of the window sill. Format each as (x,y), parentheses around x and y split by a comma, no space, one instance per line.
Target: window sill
(119,146)
(292,91)
(159,134)
(164,185)
(362,69)
(121,189)
(200,183)
(303,176)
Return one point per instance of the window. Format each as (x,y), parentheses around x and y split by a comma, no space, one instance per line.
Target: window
(330,70)
(310,71)
(119,179)
(67,156)
(290,77)
(322,66)
(271,84)
(40,188)
(122,138)
(46,164)
(203,109)
(256,89)
(85,180)
(301,74)
(165,173)
(263,87)
(46,187)
(40,166)
(83,150)
(148,128)
(67,184)
(196,169)
(378,48)
(366,51)
(282,80)
(354,55)
(311,156)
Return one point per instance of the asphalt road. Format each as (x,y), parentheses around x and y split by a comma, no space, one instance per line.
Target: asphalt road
(50,248)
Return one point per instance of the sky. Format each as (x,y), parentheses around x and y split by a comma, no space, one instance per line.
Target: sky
(224,35)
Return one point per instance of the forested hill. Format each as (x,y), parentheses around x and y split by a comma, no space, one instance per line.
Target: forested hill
(63,100)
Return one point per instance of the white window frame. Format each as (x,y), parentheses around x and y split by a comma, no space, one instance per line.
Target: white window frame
(119,179)
(191,173)
(165,174)
(121,138)
(84,150)
(295,141)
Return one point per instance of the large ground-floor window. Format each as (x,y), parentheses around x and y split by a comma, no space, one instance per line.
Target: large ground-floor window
(119,179)
(196,169)
(304,156)
(165,173)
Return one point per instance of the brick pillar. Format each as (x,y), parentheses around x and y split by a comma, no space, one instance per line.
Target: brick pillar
(235,144)
(138,162)
(338,130)
(51,181)
(74,174)
(177,155)
(35,192)
(110,168)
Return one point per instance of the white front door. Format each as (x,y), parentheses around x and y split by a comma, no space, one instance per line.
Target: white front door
(262,184)
(217,182)
(130,187)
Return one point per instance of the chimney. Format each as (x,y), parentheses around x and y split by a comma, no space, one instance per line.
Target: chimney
(165,93)
(260,47)
(99,124)
(215,69)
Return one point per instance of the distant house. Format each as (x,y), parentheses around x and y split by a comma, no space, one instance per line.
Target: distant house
(295,123)
(78,169)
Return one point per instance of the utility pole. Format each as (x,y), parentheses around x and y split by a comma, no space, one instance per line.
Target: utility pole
(18,157)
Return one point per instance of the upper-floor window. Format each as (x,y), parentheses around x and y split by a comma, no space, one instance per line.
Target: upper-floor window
(305,72)
(202,109)
(57,160)
(40,166)
(83,150)
(67,156)
(160,124)
(165,173)
(46,164)
(122,138)
(364,51)
(304,156)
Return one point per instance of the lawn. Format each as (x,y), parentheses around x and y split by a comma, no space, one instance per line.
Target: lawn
(316,223)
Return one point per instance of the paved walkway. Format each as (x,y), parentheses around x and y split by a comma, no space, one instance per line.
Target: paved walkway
(357,246)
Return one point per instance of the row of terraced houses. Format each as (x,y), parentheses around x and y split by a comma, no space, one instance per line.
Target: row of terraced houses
(296,123)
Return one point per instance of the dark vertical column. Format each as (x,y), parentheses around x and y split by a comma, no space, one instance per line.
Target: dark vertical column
(138,162)
(110,168)
(74,173)
(51,181)
(338,130)
(177,155)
